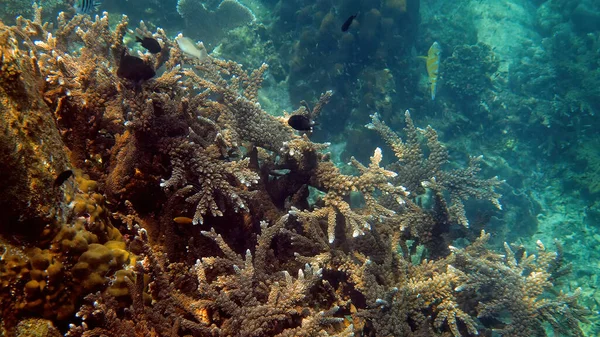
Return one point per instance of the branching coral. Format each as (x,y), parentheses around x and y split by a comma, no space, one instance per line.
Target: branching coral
(339,186)
(520,286)
(252,301)
(92,103)
(234,296)
(198,172)
(99,314)
(239,110)
(415,171)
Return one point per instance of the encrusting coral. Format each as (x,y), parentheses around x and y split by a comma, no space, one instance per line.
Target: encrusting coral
(195,218)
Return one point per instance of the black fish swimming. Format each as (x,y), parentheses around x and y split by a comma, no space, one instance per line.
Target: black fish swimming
(348,22)
(134,69)
(61,178)
(301,123)
(149,43)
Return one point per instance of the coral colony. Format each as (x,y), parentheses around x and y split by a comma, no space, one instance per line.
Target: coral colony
(187,209)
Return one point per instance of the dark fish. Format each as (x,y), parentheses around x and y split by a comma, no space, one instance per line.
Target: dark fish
(62,178)
(149,43)
(135,69)
(301,123)
(86,6)
(348,22)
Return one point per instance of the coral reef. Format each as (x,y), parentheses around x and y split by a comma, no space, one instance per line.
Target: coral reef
(190,211)
(468,71)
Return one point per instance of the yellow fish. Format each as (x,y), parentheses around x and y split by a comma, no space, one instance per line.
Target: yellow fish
(432,60)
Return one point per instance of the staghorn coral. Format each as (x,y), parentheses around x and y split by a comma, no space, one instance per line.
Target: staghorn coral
(372,179)
(77,89)
(417,172)
(525,290)
(252,301)
(245,299)
(12,9)
(99,313)
(239,111)
(198,171)
(451,294)
(92,103)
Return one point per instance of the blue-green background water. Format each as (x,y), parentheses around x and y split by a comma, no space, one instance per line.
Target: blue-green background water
(519,84)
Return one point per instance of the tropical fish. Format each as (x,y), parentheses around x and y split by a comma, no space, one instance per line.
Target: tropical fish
(61,178)
(301,123)
(183,220)
(189,47)
(432,60)
(149,43)
(134,68)
(86,6)
(348,22)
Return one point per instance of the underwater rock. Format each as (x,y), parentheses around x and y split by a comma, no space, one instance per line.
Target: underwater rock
(585,18)
(512,34)
(29,141)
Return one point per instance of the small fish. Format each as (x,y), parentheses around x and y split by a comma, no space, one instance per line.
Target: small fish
(149,43)
(348,22)
(189,47)
(432,60)
(61,178)
(86,6)
(301,123)
(183,220)
(134,69)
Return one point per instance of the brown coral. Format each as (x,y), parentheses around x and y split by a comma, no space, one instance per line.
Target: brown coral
(208,181)
(417,171)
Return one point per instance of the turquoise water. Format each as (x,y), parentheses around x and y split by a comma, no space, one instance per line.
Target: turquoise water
(516,81)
